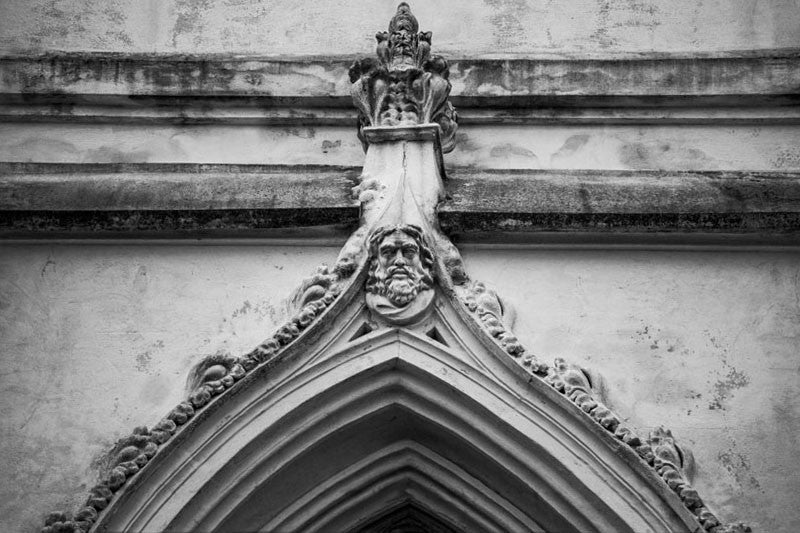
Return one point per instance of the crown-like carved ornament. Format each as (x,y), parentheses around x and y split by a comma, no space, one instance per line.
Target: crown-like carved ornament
(405,85)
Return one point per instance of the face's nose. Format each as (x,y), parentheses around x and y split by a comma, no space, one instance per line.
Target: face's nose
(399,258)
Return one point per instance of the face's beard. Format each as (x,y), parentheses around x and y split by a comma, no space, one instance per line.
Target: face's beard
(400,291)
(400,285)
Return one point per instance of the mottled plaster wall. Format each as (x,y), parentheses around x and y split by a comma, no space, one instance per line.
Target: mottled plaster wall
(461,28)
(97,339)
(703,343)
(696,147)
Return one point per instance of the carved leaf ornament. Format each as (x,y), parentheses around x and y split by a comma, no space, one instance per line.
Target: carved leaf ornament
(397,397)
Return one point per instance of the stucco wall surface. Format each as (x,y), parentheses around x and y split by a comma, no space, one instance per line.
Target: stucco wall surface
(703,343)
(696,147)
(97,339)
(461,28)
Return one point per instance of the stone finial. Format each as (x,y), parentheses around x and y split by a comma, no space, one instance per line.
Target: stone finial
(406,85)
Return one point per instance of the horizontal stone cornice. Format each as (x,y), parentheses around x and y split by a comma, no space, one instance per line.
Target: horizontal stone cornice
(168,200)
(173,187)
(746,77)
(757,88)
(198,112)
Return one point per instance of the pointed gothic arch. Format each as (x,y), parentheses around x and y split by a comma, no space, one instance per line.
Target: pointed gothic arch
(395,422)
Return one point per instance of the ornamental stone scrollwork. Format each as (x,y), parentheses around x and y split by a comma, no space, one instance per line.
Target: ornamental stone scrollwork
(406,85)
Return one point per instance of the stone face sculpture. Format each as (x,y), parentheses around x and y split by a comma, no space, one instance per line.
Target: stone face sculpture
(406,85)
(399,287)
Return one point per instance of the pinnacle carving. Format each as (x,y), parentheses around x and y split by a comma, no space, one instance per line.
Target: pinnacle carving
(405,85)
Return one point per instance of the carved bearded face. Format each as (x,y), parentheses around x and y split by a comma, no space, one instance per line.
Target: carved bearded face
(399,272)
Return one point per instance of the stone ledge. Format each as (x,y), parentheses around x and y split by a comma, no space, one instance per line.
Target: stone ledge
(41,199)
(173,187)
(132,79)
(621,192)
(198,111)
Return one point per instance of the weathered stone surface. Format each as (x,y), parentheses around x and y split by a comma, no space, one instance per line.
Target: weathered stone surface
(98,187)
(188,110)
(157,199)
(620,192)
(773,76)
(614,202)
(470,27)
(712,146)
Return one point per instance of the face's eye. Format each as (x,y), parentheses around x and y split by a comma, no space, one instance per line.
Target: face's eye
(409,251)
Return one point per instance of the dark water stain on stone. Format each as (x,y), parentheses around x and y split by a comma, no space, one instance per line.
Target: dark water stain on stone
(140,279)
(571,145)
(739,467)
(787,159)
(143,361)
(786,423)
(49,266)
(303,133)
(603,19)
(465,144)
(116,19)
(106,154)
(189,19)
(641,156)
(328,145)
(724,388)
(506,21)
(243,310)
(54,149)
(57,20)
(635,155)
(509,150)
